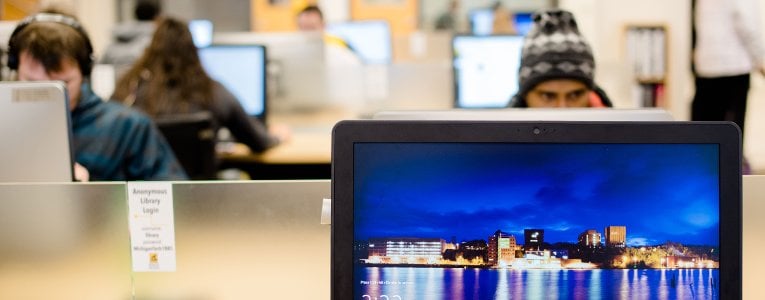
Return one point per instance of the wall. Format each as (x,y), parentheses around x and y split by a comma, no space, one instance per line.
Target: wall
(602,22)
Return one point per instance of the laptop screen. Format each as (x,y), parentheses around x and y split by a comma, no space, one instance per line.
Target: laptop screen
(486,70)
(536,219)
(242,70)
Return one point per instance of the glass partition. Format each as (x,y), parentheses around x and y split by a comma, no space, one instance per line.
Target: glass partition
(234,240)
(64,241)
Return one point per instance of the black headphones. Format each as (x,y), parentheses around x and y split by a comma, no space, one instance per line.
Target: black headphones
(86,65)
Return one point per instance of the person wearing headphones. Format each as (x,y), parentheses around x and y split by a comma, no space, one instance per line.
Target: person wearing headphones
(110,141)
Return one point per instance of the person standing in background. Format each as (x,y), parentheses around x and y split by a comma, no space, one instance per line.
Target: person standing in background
(129,39)
(727,47)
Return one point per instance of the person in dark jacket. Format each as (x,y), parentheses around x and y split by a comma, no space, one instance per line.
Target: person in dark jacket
(557,66)
(112,142)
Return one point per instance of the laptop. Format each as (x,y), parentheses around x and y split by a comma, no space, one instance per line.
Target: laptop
(36,132)
(500,210)
(530,114)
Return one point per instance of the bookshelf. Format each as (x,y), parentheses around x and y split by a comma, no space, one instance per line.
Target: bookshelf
(647,57)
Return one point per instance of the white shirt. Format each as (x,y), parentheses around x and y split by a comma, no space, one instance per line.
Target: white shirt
(728,37)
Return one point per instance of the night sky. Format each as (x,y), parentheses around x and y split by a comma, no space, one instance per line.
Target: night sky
(468,191)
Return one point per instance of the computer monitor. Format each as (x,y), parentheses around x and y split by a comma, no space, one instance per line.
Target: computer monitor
(485,69)
(370,39)
(482,21)
(530,114)
(36,132)
(296,73)
(201,32)
(523,22)
(242,70)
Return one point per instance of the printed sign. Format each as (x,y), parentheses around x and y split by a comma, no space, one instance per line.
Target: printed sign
(152,230)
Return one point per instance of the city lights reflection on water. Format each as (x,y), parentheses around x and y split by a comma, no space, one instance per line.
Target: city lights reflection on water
(468,283)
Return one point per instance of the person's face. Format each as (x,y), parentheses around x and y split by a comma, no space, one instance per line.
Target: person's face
(310,21)
(31,69)
(559,93)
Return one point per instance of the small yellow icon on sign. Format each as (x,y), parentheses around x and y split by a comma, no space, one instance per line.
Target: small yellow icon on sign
(153,258)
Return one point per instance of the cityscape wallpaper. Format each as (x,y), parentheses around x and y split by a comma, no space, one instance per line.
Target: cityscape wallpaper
(515,209)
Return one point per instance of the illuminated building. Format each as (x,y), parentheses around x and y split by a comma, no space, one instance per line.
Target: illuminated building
(502,248)
(533,239)
(406,250)
(616,236)
(536,259)
(590,238)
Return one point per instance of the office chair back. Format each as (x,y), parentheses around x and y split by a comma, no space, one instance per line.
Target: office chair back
(192,137)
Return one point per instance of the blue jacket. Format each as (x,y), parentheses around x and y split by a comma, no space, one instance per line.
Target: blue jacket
(117,143)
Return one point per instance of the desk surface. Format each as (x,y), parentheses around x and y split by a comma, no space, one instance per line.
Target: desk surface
(306,146)
(307,154)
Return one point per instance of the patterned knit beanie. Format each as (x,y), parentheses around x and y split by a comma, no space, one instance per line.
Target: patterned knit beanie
(554,49)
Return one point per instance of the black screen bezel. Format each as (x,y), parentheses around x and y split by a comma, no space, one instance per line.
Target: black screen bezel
(725,134)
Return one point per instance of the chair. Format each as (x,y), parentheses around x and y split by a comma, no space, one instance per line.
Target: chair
(192,137)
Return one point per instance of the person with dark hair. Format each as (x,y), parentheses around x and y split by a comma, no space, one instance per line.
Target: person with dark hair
(112,142)
(147,10)
(448,19)
(129,39)
(337,51)
(168,79)
(557,66)
(310,18)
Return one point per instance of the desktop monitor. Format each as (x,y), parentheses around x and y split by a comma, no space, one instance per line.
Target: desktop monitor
(370,39)
(242,70)
(530,114)
(482,21)
(295,71)
(201,32)
(36,132)
(523,22)
(485,69)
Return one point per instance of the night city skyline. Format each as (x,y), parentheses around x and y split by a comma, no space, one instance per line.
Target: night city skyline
(661,193)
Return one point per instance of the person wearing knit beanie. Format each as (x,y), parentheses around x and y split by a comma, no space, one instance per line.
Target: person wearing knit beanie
(557,65)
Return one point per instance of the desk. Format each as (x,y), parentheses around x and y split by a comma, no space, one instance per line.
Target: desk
(306,155)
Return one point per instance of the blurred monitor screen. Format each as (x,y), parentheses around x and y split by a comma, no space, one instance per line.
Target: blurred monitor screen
(485,69)
(241,69)
(371,40)
(296,76)
(201,32)
(482,21)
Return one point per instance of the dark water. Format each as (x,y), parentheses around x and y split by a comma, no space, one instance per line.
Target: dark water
(458,283)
